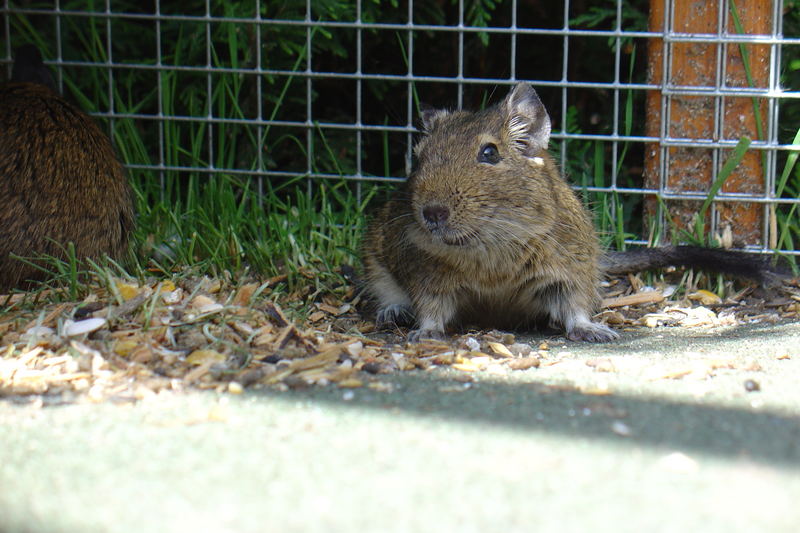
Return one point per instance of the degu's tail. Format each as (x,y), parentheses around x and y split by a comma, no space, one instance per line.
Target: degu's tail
(738,264)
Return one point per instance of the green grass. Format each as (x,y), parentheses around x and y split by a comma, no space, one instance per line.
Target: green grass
(699,235)
(786,228)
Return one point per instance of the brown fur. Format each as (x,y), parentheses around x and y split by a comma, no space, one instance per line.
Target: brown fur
(515,246)
(60,182)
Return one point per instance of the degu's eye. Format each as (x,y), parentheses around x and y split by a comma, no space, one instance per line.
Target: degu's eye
(489,154)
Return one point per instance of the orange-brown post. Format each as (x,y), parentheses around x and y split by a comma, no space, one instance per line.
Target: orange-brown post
(692,117)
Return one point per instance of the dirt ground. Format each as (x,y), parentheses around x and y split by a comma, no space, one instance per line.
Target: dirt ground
(669,429)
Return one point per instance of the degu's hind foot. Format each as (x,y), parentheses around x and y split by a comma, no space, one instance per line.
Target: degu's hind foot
(578,324)
(587,331)
(417,335)
(394,315)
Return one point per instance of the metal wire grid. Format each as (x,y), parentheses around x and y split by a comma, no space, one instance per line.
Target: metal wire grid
(774,94)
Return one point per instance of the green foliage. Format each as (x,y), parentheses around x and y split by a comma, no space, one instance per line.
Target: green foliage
(588,165)
(786,218)
(218,224)
(633,17)
(202,199)
(479,14)
(699,234)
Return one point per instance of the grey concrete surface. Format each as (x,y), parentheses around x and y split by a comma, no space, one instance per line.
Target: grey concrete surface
(565,447)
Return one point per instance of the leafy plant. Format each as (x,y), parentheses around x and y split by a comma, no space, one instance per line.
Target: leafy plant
(633,17)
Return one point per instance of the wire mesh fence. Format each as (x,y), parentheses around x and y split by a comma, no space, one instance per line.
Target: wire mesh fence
(648,99)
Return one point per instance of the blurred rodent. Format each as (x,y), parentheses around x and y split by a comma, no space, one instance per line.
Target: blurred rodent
(487,232)
(60,179)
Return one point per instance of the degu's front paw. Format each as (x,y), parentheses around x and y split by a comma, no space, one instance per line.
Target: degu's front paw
(394,315)
(592,332)
(417,335)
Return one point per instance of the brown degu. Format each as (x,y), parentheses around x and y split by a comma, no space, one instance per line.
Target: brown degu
(60,179)
(487,232)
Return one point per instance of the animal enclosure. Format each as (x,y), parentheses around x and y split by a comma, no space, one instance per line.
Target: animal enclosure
(649,99)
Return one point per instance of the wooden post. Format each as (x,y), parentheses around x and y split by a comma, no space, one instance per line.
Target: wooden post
(690,169)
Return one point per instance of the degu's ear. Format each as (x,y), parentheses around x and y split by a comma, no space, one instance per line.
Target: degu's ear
(429,116)
(527,123)
(29,67)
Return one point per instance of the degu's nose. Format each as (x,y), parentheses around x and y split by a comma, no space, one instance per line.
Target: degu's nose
(435,214)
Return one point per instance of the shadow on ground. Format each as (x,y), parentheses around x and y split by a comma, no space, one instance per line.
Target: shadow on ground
(636,416)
